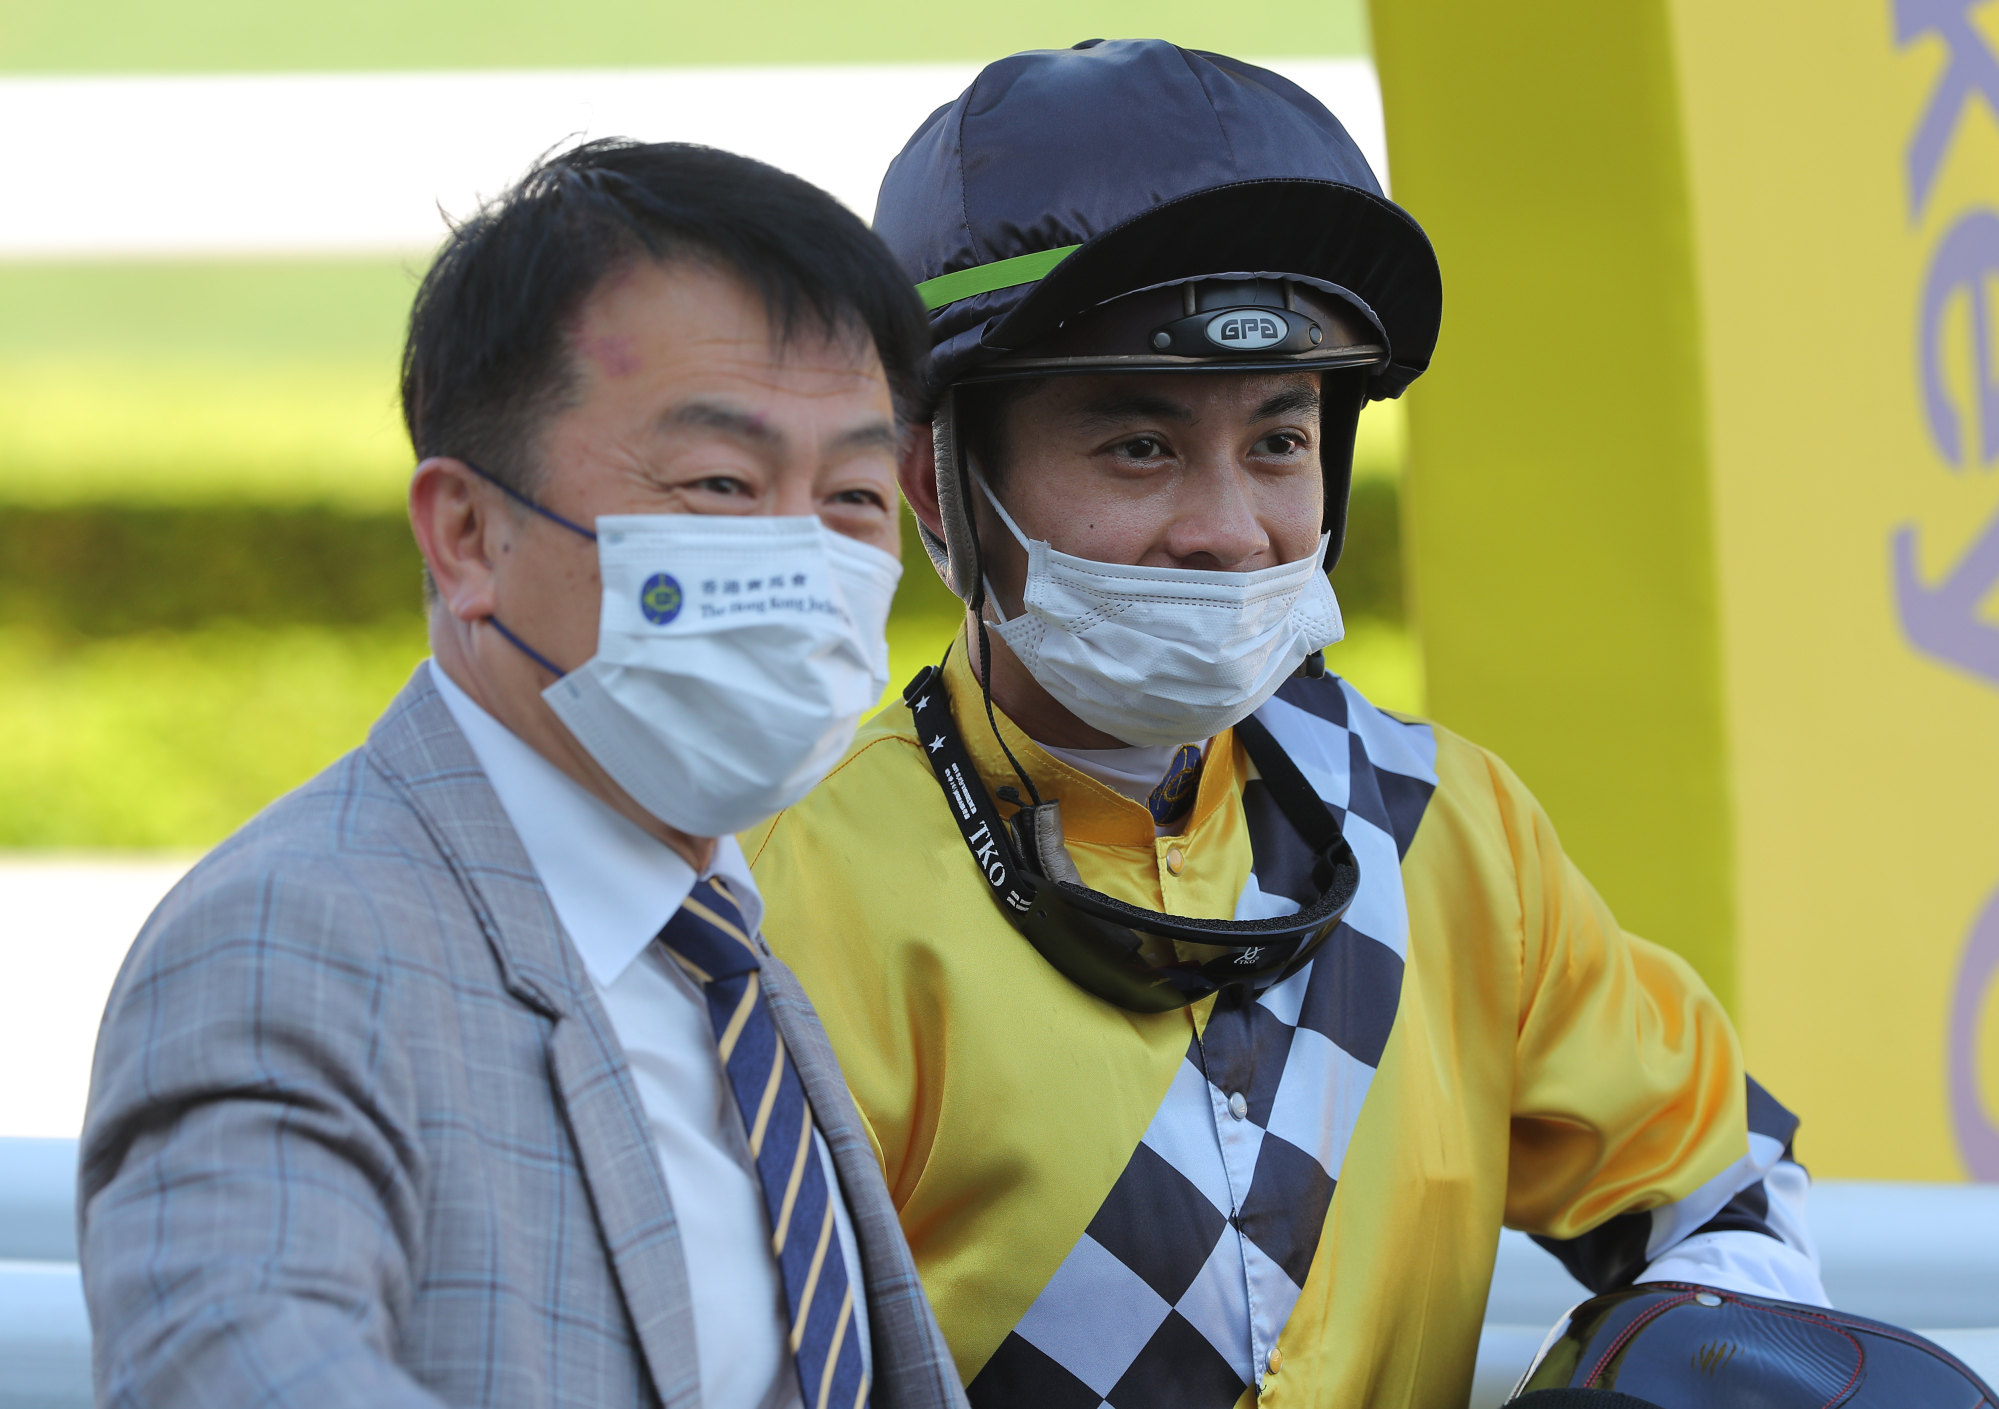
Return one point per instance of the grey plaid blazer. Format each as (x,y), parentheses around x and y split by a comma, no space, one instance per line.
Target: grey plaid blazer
(360,1134)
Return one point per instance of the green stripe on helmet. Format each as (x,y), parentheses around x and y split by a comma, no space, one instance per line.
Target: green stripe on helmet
(984,278)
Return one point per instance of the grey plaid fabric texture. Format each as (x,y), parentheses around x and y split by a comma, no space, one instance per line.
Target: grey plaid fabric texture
(1186,1275)
(360,1133)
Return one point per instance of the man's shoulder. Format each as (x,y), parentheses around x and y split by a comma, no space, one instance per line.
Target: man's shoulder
(892,724)
(337,865)
(1330,713)
(868,861)
(339,846)
(1444,782)
(881,779)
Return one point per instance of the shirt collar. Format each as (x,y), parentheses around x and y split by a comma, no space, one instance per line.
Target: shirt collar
(612,885)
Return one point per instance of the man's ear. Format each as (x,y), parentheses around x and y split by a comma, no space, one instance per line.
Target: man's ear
(451,517)
(917,473)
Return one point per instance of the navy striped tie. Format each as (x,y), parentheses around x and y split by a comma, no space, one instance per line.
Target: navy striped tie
(708,939)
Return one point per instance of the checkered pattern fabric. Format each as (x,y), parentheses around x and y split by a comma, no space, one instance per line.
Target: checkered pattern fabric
(1762,1193)
(1181,1284)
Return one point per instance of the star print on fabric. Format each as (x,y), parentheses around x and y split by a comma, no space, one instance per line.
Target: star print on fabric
(937,743)
(922,704)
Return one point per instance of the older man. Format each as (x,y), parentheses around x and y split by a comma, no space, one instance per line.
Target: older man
(462,1075)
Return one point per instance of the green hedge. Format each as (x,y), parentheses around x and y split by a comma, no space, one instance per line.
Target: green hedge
(173,739)
(100,570)
(173,670)
(97,570)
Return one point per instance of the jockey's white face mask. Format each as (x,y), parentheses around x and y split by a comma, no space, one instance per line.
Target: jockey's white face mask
(735,657)
(1163,655)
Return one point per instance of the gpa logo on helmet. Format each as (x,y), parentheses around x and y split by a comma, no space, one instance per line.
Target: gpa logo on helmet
(1246,330)
(660,599)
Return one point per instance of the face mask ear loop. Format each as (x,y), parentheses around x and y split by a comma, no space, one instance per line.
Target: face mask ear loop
(977,604)
(993,499)
(525,649)
(520,498)
(985,588)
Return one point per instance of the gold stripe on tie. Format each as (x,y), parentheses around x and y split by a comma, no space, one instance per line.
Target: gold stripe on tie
(727,1041)
(699,974)
(862,1397)
(770,1097)
(812,1280)
(726,926)
(833,1350)
(791,1189)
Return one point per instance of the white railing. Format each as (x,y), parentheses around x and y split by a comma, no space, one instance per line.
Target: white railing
(1919,1255)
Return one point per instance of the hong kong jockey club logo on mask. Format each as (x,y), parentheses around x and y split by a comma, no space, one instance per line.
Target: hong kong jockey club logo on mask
(660,599)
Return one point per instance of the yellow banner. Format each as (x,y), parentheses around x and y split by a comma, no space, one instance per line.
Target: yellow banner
(1703,511)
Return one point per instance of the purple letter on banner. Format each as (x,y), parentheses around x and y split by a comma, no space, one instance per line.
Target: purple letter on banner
(1977,1137)
(1965,258)
(1945,620)
(1972,69)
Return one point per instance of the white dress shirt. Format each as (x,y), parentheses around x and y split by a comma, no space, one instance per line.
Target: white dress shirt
(613,887)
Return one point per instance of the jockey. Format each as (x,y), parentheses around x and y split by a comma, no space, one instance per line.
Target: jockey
(1209,1021)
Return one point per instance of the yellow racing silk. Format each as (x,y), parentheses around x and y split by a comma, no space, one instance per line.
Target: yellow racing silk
(1291,1197)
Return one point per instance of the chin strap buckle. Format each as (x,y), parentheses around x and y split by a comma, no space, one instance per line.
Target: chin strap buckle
(1037,833)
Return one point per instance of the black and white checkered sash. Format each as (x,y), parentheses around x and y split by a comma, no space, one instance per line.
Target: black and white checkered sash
(1178,1289)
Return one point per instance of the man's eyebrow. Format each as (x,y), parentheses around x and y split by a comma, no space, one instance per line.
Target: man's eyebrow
(875,435)
(1290,401)
(1120,407)
(724,419)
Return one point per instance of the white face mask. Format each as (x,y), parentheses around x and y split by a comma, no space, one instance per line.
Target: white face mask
(1165,655)
(735,657)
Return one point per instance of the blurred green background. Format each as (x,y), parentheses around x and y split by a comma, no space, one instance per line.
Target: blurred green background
(207,589)
(217,36)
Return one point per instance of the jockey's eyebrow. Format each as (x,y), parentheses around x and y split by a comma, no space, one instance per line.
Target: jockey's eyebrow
(1122,407)
(1289,402)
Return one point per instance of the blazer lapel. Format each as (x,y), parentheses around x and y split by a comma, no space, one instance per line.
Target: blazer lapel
(595,1088)
(418,745)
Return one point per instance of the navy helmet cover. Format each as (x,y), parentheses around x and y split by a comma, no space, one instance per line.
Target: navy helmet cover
(1163,165)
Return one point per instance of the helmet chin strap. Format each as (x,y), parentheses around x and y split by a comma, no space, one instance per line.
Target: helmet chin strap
(959,548)
(959,544)
(974,555)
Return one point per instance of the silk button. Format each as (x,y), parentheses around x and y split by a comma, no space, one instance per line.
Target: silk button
(1174,859)
(1238,1107)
